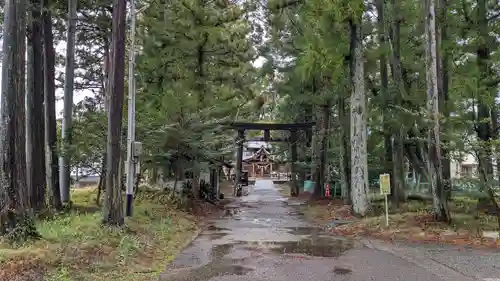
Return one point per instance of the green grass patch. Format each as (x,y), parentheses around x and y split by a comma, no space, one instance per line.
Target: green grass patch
(76,246)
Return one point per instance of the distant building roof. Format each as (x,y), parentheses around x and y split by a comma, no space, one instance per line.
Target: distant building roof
(258,144)
(261,152)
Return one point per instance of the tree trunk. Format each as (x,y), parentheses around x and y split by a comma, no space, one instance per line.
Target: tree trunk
(484,129)
(64,160)
(495,124)
(392,167)
(106,81)
(316,163)
(443,88)
(323,149)
(293,166)
(113,205)
(398,178)
(51,165)
(152,175)
(487,114)
(13,188)
(398,171)
(345,175)
(102,180)
(359,162)
(34,111)
(435,168)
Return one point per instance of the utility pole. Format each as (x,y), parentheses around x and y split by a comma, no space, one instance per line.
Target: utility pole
(131,115)
(132,158)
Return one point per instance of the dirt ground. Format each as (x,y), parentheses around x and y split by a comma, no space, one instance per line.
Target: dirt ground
(413,222)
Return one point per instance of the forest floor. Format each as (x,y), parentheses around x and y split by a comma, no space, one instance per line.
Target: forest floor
(412,222)
(75,245)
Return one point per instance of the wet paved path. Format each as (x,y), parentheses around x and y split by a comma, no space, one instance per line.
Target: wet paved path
(262,238)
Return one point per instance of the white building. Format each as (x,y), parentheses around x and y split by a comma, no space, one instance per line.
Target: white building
(465,168)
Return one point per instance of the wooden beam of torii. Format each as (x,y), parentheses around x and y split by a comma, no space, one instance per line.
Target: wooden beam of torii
(241,127)
(269,126)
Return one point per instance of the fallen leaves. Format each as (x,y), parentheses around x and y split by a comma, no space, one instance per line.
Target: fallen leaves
(418,227)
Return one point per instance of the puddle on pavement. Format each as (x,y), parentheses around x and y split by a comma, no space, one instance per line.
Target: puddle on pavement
(341,271)
(219,251)
(214,235)
(231,212)
(247,205)
(206,272)
(294,203)
(304,230)
(296,213)
(215,228)
(318,247)
(219,266)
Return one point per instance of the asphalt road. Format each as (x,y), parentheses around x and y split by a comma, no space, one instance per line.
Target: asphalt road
(262,237)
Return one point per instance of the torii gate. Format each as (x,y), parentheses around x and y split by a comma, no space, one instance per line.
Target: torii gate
(241,127)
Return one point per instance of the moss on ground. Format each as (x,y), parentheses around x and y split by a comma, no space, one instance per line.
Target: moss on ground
(76,246)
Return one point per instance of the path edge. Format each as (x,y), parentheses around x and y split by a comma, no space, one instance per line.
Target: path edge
(432,266)
(202,226)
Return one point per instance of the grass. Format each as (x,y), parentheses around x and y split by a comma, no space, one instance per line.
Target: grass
(76,246)
(411,221)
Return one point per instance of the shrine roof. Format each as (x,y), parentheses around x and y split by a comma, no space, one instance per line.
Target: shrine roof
(262,151)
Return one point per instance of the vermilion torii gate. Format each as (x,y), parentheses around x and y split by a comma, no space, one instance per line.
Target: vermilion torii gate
(241,127)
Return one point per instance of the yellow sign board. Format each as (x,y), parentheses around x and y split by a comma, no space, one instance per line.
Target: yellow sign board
(385,184)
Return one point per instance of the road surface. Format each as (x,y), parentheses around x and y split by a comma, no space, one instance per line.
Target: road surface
(262,237)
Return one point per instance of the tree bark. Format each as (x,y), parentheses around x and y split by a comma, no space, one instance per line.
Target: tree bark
(398,178)
(316,161)
(34,111)
(359,162)
(64,160)
(51,165)
(320,175)
(293,166)
(106,82)
(14,193)
(345,175)
(392,167)
(486,115)
(443,88)
(435,168)
(113,205)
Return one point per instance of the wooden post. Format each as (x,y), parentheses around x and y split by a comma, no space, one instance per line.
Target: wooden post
(267,135)
(239,157)
(213,177)
(293,168)
(218,180)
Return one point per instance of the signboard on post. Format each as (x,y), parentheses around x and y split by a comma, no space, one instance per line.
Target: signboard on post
(385,184)
(385,189)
